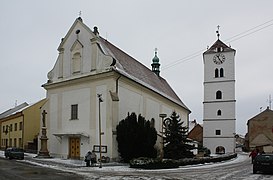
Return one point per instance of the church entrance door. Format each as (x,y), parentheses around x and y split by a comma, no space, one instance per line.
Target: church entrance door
(74,148)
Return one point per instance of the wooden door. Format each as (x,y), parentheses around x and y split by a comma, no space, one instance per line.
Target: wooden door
(74,148)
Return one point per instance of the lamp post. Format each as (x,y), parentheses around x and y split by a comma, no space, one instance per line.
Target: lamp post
(100,100)
(162,151)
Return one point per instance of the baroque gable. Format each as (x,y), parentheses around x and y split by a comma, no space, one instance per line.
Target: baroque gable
(80,54)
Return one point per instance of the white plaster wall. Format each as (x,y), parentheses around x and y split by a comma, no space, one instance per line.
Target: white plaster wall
(227,108)
(227,128)
(53,143)
(82,98)
(227,89)
(227,143)
(130,101)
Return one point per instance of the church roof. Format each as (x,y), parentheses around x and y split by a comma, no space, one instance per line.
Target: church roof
(133,69)
(216,45)
(130,67)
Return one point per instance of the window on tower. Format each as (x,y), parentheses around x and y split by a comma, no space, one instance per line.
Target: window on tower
(221,72)
(219,112)
(219,49)
(218,95)
(218,132)
(216,73)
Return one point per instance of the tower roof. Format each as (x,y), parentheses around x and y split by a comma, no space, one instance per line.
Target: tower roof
(218,45)
(155,59)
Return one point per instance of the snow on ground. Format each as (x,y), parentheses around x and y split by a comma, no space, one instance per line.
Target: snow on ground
(110,167)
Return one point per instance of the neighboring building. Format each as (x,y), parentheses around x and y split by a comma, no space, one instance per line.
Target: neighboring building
(219,98)
(196,134)
(260,131)
(20,127)
(88,66)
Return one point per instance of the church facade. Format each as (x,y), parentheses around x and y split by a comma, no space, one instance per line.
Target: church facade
(219,98)
(94,85)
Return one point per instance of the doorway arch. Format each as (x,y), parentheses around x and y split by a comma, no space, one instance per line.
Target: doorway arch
(220,150)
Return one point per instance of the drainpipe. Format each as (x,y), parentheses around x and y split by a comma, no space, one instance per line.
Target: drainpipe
(23,128)
(117,84)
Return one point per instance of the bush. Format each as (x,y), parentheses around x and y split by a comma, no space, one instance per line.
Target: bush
(150,163)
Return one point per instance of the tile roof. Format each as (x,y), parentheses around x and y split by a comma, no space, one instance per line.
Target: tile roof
(136,71)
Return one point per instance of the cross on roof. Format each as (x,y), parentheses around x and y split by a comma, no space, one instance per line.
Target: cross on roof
(217,32)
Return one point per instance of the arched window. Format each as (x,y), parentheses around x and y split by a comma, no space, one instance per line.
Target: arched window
(216,73)
(76,62)
(219,112)
(220,150)
(218,95)
(221,72)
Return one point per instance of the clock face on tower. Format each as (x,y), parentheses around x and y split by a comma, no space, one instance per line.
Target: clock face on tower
(219,58)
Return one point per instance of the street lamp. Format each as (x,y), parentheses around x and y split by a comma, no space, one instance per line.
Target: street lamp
(100,100)
(162,116)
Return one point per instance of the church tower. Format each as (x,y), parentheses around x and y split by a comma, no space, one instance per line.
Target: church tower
(155,65)
(219,98)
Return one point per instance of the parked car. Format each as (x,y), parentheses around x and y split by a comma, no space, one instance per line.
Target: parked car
(14,153)
(263,163)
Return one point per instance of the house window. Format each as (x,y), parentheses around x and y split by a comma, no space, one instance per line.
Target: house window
(221,72)
(218,132)
(15,127)
(15,142)
(218,95)
(21,126)
(76,62)
(216,73)
(10,128)
(74,111)
(219,112)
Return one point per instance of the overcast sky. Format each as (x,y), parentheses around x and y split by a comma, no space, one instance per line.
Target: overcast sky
(31,31)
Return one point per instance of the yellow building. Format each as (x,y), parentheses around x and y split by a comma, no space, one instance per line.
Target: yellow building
(20,126)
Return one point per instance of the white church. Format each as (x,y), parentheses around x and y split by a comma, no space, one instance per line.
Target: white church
(219,98)
(89,66)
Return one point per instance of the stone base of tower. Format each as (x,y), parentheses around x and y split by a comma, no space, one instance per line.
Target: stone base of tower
(220,145)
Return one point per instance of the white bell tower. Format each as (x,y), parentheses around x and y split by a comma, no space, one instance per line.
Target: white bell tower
(219,98)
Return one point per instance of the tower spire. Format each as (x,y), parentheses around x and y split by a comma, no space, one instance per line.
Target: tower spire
(218,31)
(155,65)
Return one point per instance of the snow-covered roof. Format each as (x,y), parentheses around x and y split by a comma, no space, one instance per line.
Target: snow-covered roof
(14,110)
